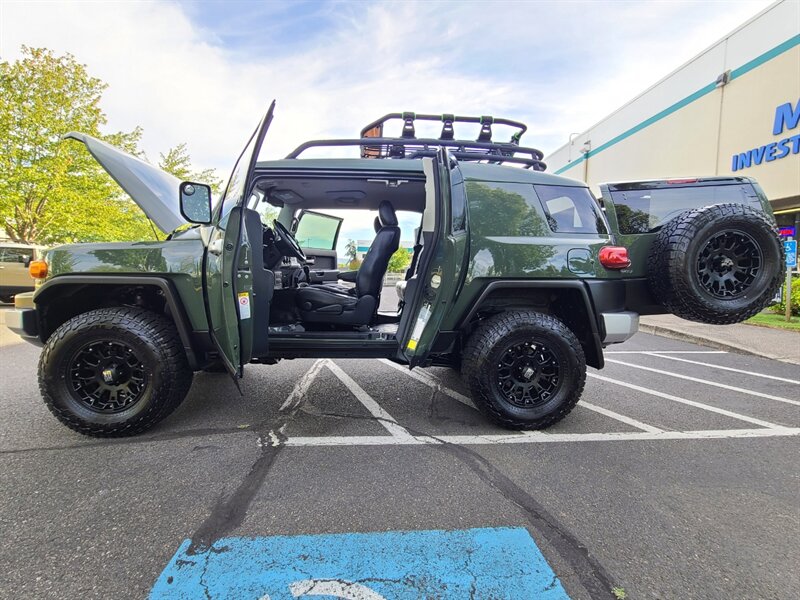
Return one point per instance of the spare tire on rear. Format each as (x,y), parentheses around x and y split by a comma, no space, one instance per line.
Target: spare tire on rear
(718,264)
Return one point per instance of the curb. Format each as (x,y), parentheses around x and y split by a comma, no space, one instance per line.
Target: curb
(682,336)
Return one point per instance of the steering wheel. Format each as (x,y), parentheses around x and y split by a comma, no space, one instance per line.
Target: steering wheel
(286,242)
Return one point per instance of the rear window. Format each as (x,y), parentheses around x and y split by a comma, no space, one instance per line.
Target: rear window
(571,209)
(642,211)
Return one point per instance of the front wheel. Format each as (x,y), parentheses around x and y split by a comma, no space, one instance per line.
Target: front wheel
(525,370)
(114,372)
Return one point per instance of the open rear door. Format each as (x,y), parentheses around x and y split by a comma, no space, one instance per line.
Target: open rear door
(445,241)
(228,281)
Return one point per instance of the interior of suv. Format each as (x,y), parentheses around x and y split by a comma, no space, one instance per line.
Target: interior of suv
(309,293)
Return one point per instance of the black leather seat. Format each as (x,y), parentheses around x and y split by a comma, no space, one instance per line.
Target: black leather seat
(355,306)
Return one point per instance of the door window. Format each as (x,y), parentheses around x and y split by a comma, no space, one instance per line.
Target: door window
(317,230)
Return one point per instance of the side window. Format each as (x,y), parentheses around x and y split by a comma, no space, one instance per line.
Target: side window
(571,209)
(505,209)
(317,230)
(458,208)
(15,255)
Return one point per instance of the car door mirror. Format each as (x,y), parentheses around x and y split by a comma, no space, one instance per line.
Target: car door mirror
(196,202)
(26,261)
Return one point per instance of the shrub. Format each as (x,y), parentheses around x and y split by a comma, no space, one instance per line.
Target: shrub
(780,307)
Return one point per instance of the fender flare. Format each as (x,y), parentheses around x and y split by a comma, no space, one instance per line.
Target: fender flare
(171,298)
(594,349)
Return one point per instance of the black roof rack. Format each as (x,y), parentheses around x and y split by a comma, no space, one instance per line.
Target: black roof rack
(374,145)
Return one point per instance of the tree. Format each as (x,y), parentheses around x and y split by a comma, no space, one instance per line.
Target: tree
(178,162)
(350,250)
(399,261)
(51,190)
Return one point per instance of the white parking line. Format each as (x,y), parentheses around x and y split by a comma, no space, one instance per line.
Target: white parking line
(541,437)
(665,351)
(434,382)
(431,381)
(705,364)
(302,386)
(706,382)
(619,417)
(375,409)
(708,407)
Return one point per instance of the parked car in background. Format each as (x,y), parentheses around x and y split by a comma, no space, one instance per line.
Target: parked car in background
(14,275)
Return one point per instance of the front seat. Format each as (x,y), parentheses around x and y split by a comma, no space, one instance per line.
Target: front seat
(327,304)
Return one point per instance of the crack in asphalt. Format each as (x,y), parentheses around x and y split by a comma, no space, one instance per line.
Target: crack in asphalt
(230,511)
(165,437)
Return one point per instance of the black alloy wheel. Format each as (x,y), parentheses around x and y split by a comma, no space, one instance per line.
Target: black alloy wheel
(528,374)
(728,264)
(107,376)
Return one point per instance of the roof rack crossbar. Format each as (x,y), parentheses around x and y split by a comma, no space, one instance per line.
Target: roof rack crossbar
(485,122)
(380,147)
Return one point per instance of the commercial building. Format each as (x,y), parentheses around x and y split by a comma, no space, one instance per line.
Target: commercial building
(732,110)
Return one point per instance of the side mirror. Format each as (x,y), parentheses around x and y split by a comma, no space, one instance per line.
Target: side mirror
(196,202)
(26,260)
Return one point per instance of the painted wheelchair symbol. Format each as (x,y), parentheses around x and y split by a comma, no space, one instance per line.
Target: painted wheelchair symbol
(336,588)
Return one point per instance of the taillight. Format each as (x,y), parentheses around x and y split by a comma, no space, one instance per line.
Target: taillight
(614,257)
(38,269)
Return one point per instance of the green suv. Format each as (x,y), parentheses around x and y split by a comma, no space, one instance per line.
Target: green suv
(518,278)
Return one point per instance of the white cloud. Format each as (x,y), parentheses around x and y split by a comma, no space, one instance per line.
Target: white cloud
(558,66)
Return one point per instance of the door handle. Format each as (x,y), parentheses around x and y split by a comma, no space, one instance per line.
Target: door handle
(215,247)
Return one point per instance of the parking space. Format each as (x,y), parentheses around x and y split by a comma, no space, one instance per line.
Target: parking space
(675,476)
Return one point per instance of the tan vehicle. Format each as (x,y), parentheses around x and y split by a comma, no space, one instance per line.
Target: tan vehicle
(14,275)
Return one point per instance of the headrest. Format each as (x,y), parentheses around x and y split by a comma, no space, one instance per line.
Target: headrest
(377,224)
(386,214)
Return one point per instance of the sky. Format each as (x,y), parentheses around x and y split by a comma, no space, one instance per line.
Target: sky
(204,72)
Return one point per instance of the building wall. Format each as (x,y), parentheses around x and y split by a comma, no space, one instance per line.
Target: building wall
(688,125)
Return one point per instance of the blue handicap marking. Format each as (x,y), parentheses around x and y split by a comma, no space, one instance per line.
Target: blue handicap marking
(396,565)
(790,249)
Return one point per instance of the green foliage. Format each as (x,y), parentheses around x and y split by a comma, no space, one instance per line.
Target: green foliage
(53,191)
(350,250)
(399,261)
(780,308)
(178,162)
(354,264)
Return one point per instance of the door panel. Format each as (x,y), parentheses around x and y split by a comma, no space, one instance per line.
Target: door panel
(317,234)
(228,283)
(441,273)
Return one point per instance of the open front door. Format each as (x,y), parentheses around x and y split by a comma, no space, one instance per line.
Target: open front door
(444,237)
(228,282)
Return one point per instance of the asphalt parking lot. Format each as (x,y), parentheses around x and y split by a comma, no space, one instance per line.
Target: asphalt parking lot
(675,477)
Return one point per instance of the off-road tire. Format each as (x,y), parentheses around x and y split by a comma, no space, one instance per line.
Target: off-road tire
(493,338)
(155,341)
(674,268)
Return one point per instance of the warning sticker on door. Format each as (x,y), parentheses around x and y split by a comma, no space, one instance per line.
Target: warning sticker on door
(244,305)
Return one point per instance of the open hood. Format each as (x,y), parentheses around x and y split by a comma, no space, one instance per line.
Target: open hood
(155,191)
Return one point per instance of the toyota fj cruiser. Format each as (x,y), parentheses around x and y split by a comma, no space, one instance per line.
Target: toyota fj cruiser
(518,278)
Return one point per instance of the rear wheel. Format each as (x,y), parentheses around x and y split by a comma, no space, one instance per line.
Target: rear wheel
(114,372)
(525,370)
(719,264)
